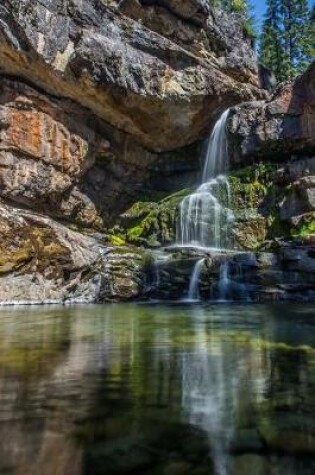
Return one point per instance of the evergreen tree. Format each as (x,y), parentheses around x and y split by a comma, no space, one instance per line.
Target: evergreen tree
(287,43)
(296,37)
(309,47)
(271,50)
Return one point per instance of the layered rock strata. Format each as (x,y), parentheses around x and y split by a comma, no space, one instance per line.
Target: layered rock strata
(103,103)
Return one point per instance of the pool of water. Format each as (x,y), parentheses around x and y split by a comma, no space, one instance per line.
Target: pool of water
(158,390)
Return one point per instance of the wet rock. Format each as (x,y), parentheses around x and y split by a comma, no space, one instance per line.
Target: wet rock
(177,468)
(267,260)
(251,234)
(300,200)
(294,442)
(247,441)
(124,275)
(298,259)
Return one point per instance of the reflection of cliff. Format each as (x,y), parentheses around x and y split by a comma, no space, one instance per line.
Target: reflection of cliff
(42,375)
(131,389)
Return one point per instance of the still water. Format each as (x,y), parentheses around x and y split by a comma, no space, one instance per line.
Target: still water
(157,390)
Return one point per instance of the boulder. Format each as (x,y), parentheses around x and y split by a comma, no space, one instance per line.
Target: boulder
(44,262)
(300,199)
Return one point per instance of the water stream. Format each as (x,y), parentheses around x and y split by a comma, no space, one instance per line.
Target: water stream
(205,216)
(224,282)
(193,291)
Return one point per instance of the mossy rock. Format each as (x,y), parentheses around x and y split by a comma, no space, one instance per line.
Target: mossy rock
(152,224)
(252,186)
(22,246)
(251,234)
(305,226)
(256,205)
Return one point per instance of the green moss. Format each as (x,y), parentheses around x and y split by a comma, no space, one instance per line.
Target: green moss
(135,232)
(306,227)
(152,223)
(117,240)
(140,209)
(251,185)
(256,201)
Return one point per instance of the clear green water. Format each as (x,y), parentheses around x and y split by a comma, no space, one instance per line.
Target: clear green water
(157,390)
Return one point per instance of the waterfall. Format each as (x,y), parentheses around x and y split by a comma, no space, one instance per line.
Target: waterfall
(193,292)
(205,217)
(230,285)
(224,281)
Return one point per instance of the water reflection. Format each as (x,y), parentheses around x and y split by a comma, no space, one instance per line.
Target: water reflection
(157,390)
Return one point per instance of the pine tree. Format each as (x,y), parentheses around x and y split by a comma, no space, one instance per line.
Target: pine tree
(296,38)
(309,45)
(287,43)
(271,50)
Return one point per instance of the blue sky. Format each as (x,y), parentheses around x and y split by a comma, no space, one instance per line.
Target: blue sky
(260,8)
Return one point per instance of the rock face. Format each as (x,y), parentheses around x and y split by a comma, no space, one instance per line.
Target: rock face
(103,103)
(104,88)
(43,261)
(113,59)
(275,141)
(287,273)
(276,129)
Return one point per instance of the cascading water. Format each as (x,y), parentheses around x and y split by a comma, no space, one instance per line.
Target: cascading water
(224,281)
(193,292)
(230,285)
(205,216)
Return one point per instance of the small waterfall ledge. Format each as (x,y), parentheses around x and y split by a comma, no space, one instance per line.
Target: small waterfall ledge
(206,264)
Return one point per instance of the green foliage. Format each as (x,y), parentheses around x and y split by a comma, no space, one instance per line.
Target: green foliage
(287,40)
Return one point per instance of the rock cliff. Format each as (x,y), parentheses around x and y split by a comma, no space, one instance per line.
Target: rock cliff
(102,102)
(275,140)
(104,105)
